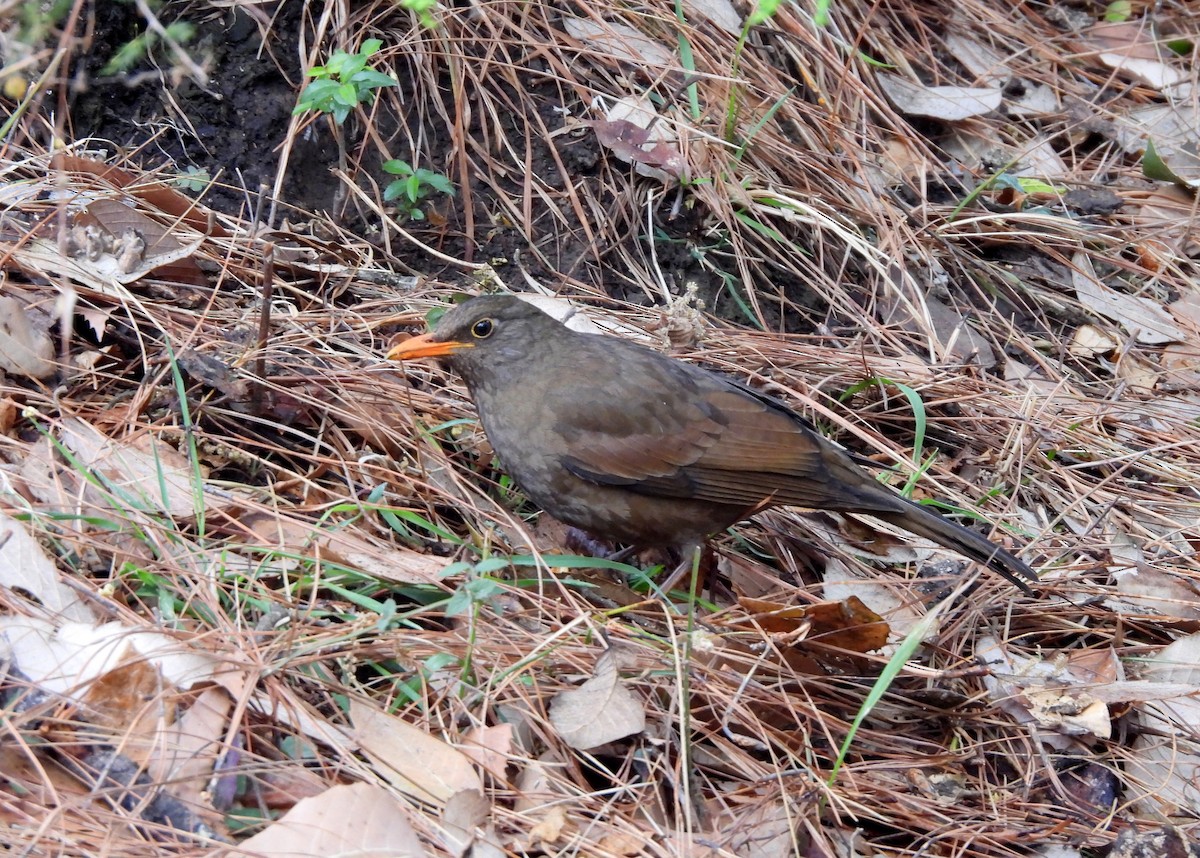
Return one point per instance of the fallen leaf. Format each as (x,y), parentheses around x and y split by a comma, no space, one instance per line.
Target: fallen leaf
(986,65)
(490,747)
(66,658)
(845,625)
(1133,48)
(550,827)
(413,761)
(1165,760)
(1089,342)
(358,819)
(1045,692)
(619,41)
(888,597)
(302,538)
(24,350)
(1140,376)
(145,474)
(632,131)
(1145,319)
(720,12)
(464,811)
(1143,590)
(159,195)
(25,566)
(601,710)
(949,103)
(130,701)
(160,251)
(188,751)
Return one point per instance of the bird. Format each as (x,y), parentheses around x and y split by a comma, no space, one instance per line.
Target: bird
(646,450)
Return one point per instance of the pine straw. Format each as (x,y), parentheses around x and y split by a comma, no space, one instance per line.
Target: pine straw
(741,735)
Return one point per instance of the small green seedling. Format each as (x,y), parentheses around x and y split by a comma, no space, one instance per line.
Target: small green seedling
(194,179)
(423,9)
(343,83)
(414,186)
(138,48)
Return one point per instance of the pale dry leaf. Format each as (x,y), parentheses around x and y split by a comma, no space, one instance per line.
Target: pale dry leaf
(564,310)
(536,785)
(1181,367)
(413,761)
(759,826)
(1040,159)
(132,245)
(631,130)
(1089,342)
(1186,311)
(1140,376)
(189,749)
(96,319)
(463,812)
(1165,762)
(42,257)
(357,820)
(587,321)
(1171,126)
(601,710)
(1154,73)
(628,844)
(1031,99)
(1143,590)
(929,315)
(1043,692)
(24,565)
(1145,319)
(986,65)
(147,473)
(303,538)
(282,705)
(1132,47)
(550,827)
(66,658)
(24,350)
(1169,215)
(720,12)
(490,747)
(948,103)
(620,42)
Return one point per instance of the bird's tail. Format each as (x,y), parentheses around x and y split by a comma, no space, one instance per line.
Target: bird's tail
(924,522)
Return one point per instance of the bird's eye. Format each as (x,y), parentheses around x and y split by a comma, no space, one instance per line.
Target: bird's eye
(483,329)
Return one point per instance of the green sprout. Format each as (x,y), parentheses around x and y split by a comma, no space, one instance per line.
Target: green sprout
(423,9)
(343,83)
(194,179)
(414,186)
(138,48)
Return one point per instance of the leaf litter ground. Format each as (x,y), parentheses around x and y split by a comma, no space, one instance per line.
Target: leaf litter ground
(929,229)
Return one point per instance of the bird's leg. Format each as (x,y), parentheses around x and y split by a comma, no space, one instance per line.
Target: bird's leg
(582,542)
(695,558)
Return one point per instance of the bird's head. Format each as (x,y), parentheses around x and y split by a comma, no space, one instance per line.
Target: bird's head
(484,338)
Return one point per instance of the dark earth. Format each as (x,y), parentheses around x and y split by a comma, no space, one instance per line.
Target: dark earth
(236,126)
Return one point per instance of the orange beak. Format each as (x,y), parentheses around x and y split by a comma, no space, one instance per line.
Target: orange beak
(425,346)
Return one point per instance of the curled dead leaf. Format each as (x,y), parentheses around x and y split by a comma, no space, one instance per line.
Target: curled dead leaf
(601,710)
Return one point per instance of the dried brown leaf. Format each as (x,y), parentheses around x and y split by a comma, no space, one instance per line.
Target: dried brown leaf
(601,710)
(358,819)
(413,761)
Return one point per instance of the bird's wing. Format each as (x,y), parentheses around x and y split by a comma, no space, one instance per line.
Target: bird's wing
(691,434)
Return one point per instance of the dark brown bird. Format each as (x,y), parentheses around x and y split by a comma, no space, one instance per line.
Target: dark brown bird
(643,449)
